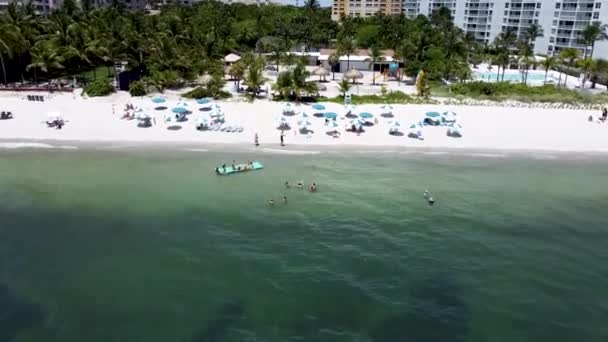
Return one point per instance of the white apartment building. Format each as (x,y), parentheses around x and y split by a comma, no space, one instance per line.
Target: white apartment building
(40,6)
(561,20)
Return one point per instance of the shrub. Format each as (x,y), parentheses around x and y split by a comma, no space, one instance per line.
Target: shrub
(200,92)
(98,87)
(137,88)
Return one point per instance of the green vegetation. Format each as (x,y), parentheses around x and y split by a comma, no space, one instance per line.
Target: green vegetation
(137,88)
(503,91)
(293,84)
(99,87)
(394,97)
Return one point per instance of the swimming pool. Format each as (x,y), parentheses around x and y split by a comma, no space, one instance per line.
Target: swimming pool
(533,77)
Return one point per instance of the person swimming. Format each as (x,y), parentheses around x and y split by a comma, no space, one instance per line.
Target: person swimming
(431,200)
(271,203)
(287,186)
(313,187)
(427,194)
(300,184)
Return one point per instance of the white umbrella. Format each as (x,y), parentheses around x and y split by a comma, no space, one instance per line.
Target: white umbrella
(448,117)
(54,116)
(140,115)
(349,108)
(455,130)
(395,127)
(288,109)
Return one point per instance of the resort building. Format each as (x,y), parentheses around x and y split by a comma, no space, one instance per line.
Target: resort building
(40,6)
(561,20)
(364,8)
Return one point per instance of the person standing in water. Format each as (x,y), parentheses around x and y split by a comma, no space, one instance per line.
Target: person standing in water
(284,199)
(287,186)
(282,139)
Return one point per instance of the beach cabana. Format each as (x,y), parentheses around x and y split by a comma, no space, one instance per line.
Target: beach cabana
(432,119)
(159,99)
(321,72)
(353,74)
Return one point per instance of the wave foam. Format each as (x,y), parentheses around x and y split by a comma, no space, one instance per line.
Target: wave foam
(16,145)
(294,152)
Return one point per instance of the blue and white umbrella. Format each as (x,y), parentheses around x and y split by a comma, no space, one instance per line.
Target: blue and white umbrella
(180,108)
(204,100)
(330,115)
(141,115)
(448,117)
(366,115)
(318,106)
(432,114)
(288,109)
(158,99)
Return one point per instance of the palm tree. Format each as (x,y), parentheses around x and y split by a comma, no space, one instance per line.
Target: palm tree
(599,71)
(237,71)
(526,59)
(346,47)
(569,55)
(375,56)
(7,37)
(532,32)
(548,63)
(591,34)
(254,77)
(344,86)
(45,57)
(586,66)
(333,60)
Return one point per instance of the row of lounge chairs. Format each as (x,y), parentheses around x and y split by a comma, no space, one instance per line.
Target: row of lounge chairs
(6,115)
(218,127)
(39,98)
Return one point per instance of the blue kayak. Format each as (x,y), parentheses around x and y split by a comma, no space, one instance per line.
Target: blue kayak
(228,170)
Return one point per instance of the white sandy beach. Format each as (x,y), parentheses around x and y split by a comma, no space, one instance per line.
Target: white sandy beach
(496,128)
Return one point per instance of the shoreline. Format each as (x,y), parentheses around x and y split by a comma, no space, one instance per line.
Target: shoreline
(14,145)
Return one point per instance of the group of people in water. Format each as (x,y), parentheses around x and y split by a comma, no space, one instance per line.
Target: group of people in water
(300,185)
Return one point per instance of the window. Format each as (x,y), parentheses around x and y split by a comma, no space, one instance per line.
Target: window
(598,5)
(558,5)
(507,5)
(538,5)
(596,15)
(554,22)
(556,14)
(552,40)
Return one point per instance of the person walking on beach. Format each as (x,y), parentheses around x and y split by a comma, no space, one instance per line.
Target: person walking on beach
(255,140)
(604,114)
(282,139)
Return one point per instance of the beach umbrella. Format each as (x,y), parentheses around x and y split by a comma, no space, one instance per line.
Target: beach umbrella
(454,130)
(202,121)
(321,72)
(170,117)
(203,100)
(330,115)
(159,99)
(395,127)
(387,108)
(140,115)
(53,116)
(448,117)
(288,109)
(353,74)
(366,115)
(349,108)
(318,106)
(179,110)
(432,114)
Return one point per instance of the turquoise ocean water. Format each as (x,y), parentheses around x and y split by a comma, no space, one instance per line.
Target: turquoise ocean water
(103,246)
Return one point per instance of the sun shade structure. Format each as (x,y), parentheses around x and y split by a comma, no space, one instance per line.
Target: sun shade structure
(232,58)
(353,74)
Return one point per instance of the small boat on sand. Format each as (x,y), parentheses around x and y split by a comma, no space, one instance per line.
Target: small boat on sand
(229,169)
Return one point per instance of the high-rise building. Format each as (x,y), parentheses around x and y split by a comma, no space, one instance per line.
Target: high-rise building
(561,20)
(364,8)
(40,6)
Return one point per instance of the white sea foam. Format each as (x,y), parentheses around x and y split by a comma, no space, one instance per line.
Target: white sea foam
(294,152)
(196,150)
(16,145)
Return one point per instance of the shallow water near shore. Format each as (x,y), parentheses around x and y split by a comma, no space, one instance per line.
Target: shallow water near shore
(153,246)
